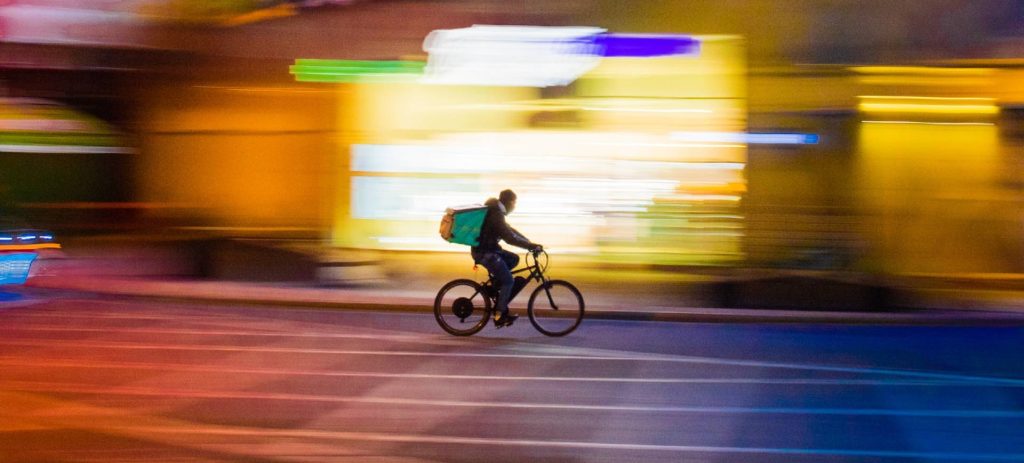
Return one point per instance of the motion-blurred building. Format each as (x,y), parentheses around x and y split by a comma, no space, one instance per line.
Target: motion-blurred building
(853,135)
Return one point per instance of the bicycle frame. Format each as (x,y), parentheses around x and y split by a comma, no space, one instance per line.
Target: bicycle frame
(535,273)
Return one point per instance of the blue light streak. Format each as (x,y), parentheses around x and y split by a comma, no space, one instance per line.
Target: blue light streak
(645,45)
(748,138)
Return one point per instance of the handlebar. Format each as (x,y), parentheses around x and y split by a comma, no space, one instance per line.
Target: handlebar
(536,253)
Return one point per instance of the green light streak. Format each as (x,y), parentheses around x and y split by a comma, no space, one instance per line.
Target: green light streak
(349,71)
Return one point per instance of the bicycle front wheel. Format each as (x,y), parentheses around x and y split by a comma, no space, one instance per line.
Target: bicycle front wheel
(462,308)
(556,308)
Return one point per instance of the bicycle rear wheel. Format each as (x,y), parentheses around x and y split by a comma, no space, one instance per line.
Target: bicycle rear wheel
(556,308)
(462,308)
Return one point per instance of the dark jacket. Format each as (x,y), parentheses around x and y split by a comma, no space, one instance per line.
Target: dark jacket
(495,229)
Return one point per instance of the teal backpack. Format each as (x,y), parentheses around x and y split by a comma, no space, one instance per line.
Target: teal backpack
(462,224)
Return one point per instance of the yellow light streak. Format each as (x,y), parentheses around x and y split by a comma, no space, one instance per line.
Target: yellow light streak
(279,11)
(647,110)
(922,81)
(927,98)
(28,247)
(930,123)
(927,105)
(284,90)
(923,70)
(927,108)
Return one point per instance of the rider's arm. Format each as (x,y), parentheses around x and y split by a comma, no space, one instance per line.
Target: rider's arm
(513,237)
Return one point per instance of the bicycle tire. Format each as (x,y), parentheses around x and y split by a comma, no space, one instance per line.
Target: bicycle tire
(451,310)
(556,321)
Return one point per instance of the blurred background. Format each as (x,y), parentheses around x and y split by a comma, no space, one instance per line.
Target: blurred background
(321,141)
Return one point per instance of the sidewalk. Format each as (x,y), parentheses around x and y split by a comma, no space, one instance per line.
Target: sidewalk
(618,294)
(600,304)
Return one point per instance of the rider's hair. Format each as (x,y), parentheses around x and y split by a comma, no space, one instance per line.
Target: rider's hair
(506,195)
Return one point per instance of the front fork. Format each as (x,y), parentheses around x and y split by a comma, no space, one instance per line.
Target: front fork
(547,290)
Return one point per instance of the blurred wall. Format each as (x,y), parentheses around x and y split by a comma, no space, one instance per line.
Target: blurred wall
(936,201)
(800,209)
(931,184)
(239,155)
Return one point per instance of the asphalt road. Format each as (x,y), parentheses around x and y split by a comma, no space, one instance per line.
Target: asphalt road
(90,379)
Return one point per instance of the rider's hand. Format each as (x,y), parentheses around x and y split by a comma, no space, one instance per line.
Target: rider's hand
(537,248)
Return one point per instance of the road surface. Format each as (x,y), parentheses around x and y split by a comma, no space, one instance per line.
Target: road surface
(94,379)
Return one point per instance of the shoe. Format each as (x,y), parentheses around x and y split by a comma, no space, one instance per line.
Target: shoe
(503,319)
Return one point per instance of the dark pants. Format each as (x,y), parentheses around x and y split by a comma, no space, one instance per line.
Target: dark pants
(499,264)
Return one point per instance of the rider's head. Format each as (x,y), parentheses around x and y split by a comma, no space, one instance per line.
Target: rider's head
(508,199)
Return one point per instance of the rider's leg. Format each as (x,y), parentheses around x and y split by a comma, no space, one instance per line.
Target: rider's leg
(495,264)
(511,259)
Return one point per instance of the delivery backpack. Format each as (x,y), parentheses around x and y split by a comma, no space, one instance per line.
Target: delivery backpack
(462,224)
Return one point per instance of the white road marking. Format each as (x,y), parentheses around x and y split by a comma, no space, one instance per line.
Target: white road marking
(634,358)
(223,332)
(249,441)
(486,441)
(50,387)
(122,316)
(102,310)
(89,364)
(598,353)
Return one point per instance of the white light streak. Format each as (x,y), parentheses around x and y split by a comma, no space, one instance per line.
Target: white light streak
(515,56)
(668,145)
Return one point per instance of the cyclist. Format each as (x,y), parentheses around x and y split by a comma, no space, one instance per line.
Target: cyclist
(496,260)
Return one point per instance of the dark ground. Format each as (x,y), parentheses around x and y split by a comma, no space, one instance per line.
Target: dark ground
(89,378)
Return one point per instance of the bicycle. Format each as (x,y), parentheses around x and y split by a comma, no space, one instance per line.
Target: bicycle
(463,307)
